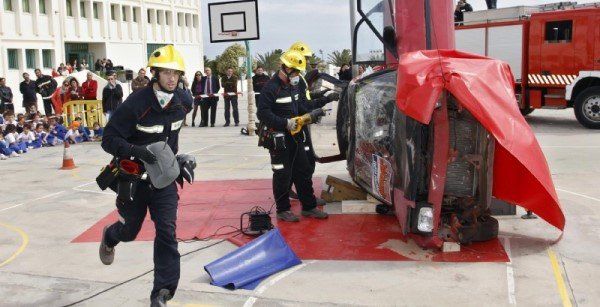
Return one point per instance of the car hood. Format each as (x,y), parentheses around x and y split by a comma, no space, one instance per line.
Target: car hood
(485,87)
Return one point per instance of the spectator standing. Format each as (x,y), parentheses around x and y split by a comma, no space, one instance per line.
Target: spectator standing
(98,65)
(45,86)
(61,96)
(461,7)
(62,70)
(211,88)
(6,97)
(112,95)
(109,67)
(75,89)
(230,82)
(258,81)
(197,90)
(89,88)
(83,65)
(140,81)
(27,89)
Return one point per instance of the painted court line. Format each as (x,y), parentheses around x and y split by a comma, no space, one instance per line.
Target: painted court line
(24,242)
(560,282)
(270,282)
(510,273)
(33,200)
(580,195)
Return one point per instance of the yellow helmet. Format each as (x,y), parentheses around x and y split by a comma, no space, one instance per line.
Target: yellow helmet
(293,59)
(166,57)
(302,48)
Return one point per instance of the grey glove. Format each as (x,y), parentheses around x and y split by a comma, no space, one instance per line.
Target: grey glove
(332,96)
(187,164)
(291,124)
(316,114)
(143,154)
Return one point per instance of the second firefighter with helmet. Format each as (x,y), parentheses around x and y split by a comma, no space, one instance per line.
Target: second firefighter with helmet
(281,102)
(143,132)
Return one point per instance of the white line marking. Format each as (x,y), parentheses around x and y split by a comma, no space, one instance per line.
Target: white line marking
(580,195)
(201,149)
(510,273)
(95,192)
(271,281)
(33,200)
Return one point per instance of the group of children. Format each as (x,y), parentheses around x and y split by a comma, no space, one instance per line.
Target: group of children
(19,135)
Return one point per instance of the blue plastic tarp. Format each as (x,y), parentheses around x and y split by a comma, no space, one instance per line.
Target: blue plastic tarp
(247,266)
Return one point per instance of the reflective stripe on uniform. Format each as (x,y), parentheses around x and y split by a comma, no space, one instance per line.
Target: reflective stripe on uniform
(306,148)
(176,125)
(277,166)
(284,100)
(151,129)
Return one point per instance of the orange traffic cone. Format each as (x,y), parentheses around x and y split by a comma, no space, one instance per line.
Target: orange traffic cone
(68,162)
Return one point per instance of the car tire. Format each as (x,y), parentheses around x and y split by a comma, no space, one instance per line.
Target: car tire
(587,107)
(342,122)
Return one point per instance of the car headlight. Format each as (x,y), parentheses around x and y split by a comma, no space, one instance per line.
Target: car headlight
(425,219)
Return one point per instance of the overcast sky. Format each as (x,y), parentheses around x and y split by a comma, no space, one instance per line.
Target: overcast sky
(323,24)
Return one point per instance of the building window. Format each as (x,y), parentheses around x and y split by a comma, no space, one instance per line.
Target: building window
(196,21)
(180,19)
(30,58)
(42,6)
(26,7)
(8,5)
(169,18)
(149,16)
(124,13)
(559,31)
(13,58)
(159,16)
(135,14)
(113,12)
(187,20)
(47,58)
(96,10)
(69,8)
(82,8)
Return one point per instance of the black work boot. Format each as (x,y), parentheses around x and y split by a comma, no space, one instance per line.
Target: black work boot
(107,254)
(287,216)
(321,202)
(315,213)
(161,300)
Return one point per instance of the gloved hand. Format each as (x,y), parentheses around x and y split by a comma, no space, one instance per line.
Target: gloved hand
(187,164)
(291,124)
(316,114)
(332,96)
(143,154)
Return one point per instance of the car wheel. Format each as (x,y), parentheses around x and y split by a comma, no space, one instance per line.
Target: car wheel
(342,121)
(587,107)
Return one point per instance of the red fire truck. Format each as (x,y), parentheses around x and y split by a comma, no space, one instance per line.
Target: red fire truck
(553,51)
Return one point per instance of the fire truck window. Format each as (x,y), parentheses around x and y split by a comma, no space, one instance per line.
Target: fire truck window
(559,31)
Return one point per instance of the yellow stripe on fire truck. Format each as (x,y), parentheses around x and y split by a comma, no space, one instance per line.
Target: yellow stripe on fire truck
(536,79)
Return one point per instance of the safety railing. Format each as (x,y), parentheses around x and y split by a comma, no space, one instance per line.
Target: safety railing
(90,112)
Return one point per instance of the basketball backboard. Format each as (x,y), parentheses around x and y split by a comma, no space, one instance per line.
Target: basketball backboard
(233,21)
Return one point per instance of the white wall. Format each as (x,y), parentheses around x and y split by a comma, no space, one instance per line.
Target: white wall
(194,58)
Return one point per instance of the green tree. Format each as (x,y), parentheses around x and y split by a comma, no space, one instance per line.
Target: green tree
(229,58)
(338,58)
(212,64)
(269,60)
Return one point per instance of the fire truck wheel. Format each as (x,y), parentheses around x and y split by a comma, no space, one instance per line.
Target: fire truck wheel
(526,112)
(587,107)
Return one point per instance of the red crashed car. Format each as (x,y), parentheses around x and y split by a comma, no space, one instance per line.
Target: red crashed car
(435,134)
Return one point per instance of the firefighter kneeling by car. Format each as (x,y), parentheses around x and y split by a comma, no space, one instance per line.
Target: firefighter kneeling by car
(142,135)
(281,104)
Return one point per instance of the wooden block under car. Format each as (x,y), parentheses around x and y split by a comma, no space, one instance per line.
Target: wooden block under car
(358,206)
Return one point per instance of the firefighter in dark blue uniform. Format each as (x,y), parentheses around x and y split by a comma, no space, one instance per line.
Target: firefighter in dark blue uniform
(314,100)
(281,100)
(152,114)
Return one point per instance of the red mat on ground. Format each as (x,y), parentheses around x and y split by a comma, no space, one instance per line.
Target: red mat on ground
(210,206)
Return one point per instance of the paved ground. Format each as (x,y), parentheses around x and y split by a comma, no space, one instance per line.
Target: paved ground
(43,209)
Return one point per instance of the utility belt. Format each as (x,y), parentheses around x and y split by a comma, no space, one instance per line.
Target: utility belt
(121,176)
(275,140)
(270,139)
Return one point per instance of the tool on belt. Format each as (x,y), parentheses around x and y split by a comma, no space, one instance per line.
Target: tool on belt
(121,176)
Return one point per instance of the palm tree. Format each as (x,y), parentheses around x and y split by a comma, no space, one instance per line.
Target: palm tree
(338,58)
(269,60)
